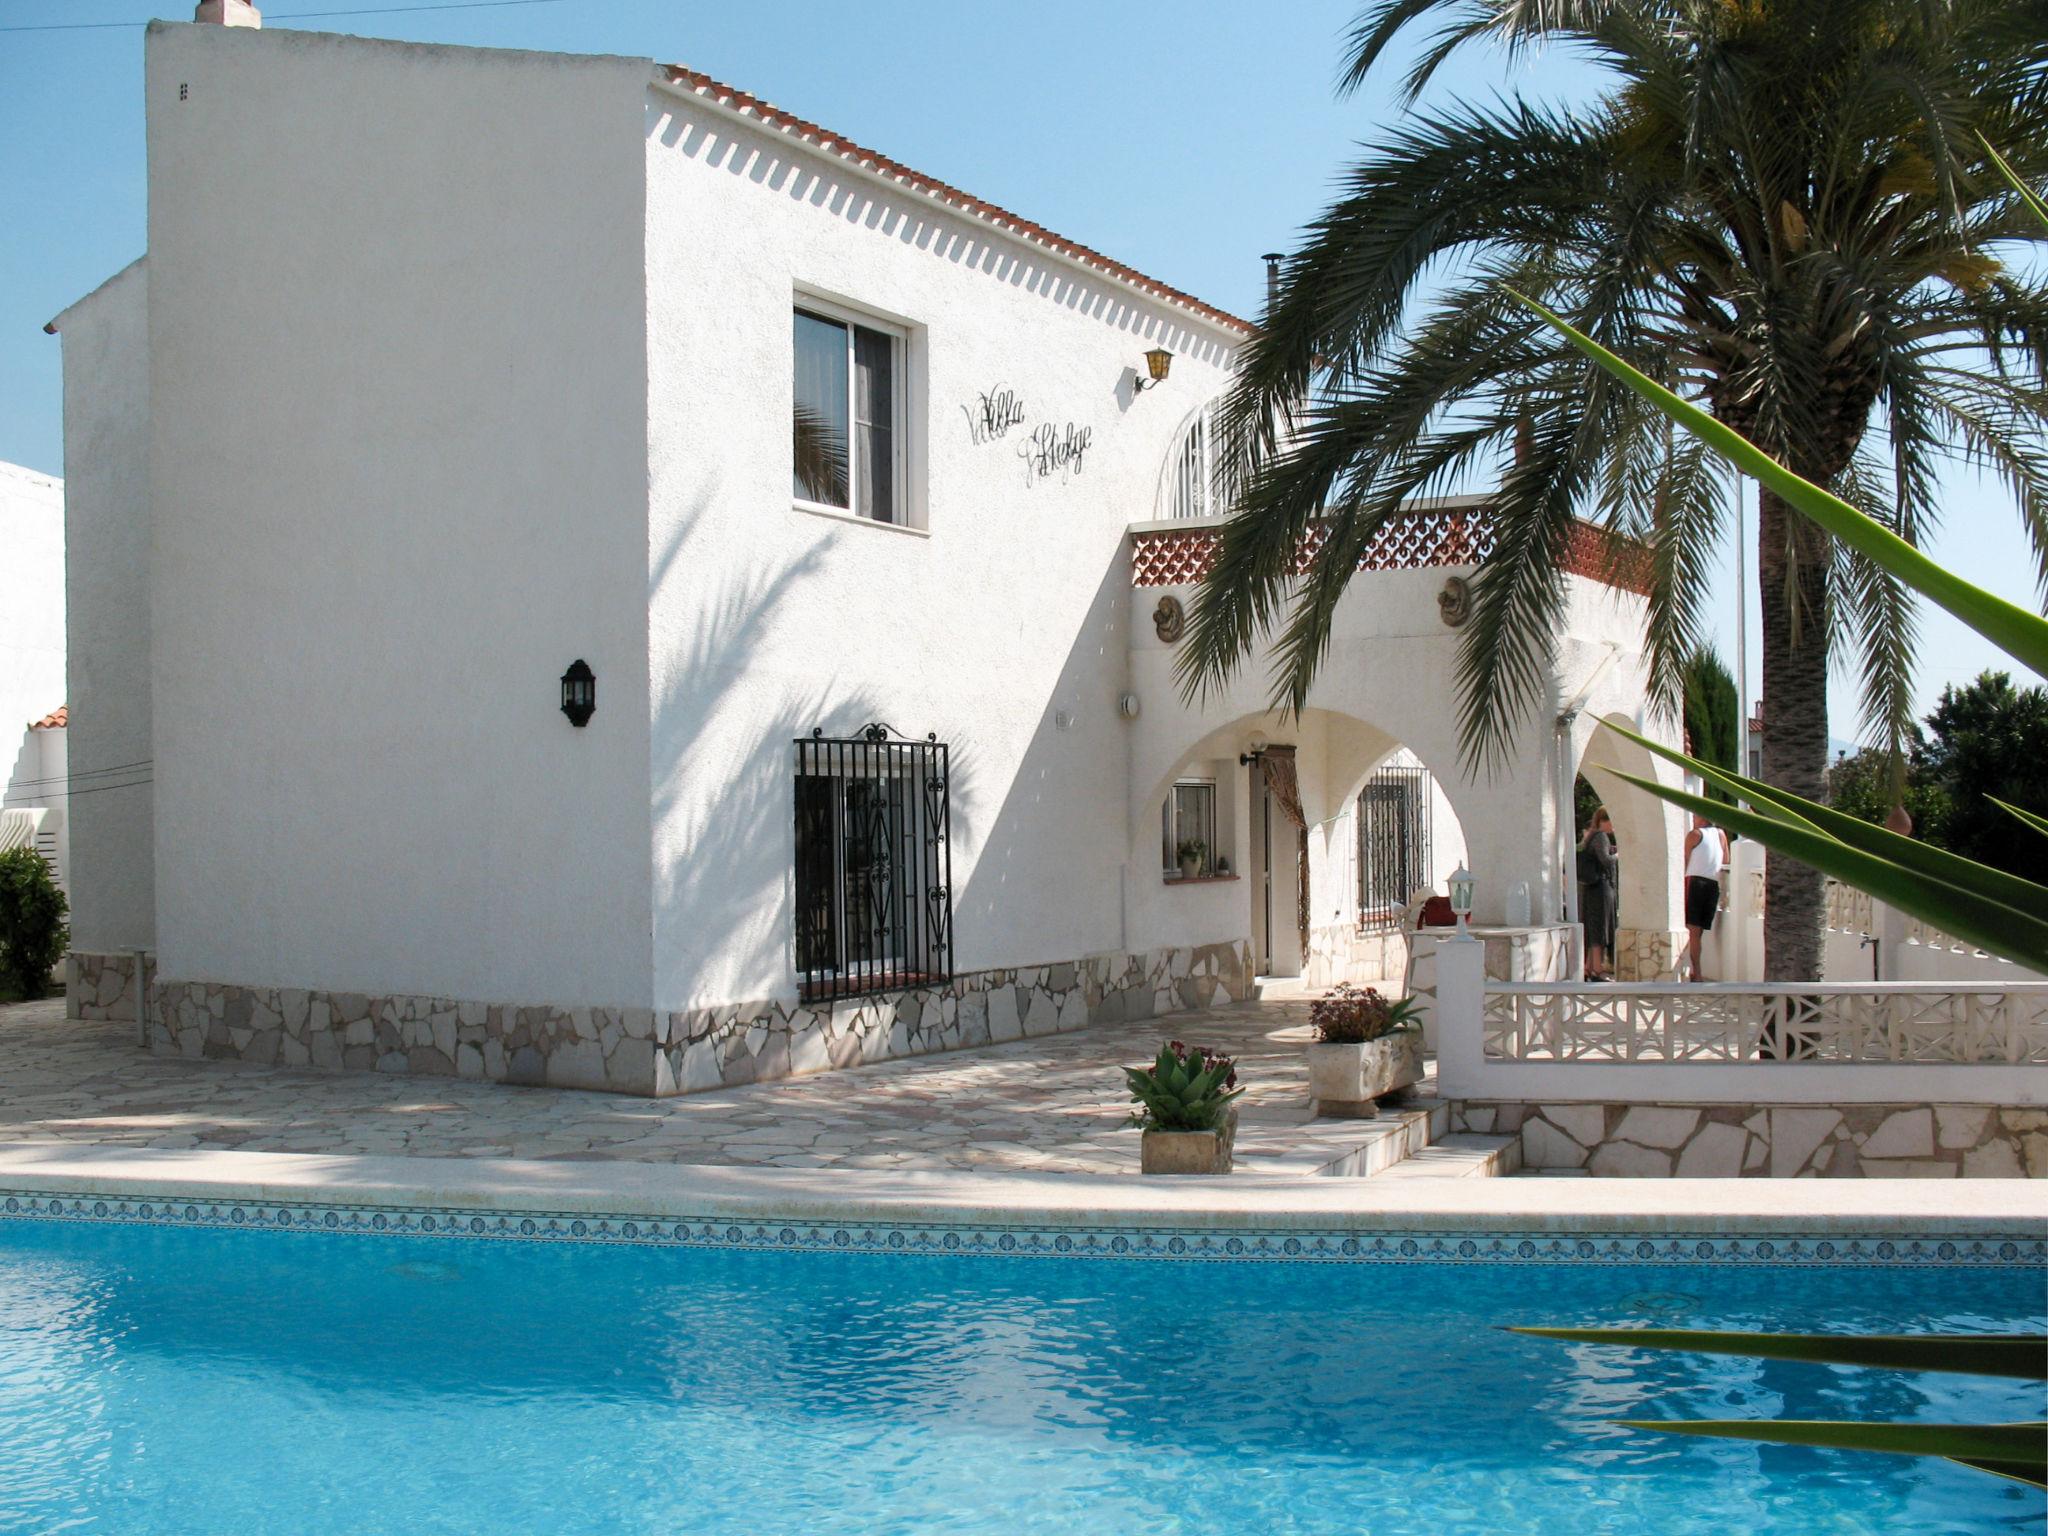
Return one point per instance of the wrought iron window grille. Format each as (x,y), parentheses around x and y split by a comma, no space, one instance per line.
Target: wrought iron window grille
(1393,843)
(874,863)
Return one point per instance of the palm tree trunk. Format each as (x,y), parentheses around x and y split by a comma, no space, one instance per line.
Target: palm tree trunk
(1794,588)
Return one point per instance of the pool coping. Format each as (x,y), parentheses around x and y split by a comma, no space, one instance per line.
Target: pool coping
(1984,1221)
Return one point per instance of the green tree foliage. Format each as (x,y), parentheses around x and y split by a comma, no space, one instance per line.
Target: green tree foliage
(33,936)
(1860,785)
(1988,741)
(1712,713)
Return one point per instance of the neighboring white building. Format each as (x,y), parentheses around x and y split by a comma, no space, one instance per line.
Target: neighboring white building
(453,367)
(32,757)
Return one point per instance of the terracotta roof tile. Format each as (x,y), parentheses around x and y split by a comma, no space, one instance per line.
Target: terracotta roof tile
(772,116)
(56,720)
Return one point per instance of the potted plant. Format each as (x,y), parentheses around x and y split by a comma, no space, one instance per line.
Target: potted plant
(1366,1048)
(1191,853)
(1186,1109)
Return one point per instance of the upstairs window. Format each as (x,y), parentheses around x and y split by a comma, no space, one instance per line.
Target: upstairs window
(873,865)
(847,430)
(1393,843)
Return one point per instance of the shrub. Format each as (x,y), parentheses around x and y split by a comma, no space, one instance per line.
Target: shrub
(1348,1015)
(33,937)
(1188,1088)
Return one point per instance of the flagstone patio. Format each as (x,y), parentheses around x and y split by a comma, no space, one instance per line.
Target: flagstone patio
(1051,1104)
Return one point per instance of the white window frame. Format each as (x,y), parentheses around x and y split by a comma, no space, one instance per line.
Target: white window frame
(1169,824)
(899,412)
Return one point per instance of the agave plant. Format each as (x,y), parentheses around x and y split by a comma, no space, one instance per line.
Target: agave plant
(1189,1088)
(2017,1451)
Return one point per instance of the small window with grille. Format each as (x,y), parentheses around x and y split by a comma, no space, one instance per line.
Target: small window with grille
(1393,843)
(873,864)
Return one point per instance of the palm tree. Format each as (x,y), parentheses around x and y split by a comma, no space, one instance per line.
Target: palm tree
(1781,209)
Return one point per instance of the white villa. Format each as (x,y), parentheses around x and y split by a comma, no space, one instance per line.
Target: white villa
(621,587)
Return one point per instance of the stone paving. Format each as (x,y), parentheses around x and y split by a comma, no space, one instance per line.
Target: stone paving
(1052,1104)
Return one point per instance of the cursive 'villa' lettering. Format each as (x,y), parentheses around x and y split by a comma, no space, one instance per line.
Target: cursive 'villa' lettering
(992,415)
(1054,450)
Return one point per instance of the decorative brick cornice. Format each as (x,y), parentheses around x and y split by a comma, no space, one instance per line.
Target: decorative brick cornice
(1460,536)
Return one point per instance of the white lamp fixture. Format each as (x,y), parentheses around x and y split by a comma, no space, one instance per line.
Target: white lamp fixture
(1461,899)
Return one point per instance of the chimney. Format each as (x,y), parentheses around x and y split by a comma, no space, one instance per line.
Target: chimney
(228,13)
(1272,261)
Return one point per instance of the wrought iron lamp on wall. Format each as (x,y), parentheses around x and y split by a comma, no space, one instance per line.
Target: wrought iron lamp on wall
(1157,363)
(579,692)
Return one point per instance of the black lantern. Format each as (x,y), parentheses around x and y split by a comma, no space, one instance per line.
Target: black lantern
(579,692)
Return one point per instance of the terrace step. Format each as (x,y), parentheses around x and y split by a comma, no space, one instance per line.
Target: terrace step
(1460,1156)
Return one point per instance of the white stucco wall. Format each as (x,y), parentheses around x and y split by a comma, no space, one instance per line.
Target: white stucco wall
(31,609)
(398,462)
(1013,606)
(111,830)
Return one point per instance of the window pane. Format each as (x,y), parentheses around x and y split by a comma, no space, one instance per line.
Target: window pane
(874,411)
(1193,820)
(821,410)
(817,927)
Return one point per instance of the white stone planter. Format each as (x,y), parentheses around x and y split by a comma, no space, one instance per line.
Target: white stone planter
(1189,1151)
(1346,1080)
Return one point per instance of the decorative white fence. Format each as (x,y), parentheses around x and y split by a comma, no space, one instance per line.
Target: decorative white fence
(1865,939)
(1780,1023)
(1837,1043)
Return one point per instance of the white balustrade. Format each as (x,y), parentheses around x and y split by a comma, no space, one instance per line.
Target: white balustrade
(1782,1023)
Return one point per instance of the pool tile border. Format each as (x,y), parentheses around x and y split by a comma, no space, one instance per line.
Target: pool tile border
(1989,1249)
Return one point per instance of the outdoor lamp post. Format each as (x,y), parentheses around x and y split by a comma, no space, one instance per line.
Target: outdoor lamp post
(1157,363)
(579,692)
(1461,899)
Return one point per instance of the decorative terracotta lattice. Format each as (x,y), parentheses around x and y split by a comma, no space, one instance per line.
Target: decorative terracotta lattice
(1463,536)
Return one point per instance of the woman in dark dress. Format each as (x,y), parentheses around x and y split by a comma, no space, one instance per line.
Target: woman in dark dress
(1598,882)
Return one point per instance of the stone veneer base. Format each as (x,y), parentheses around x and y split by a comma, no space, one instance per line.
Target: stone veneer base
(1941,1141)
(100,985)
(656,1054)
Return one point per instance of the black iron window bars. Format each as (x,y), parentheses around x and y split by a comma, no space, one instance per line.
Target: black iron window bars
(874,864)
(1393,843)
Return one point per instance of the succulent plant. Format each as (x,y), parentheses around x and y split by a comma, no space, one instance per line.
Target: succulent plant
(1348,1015)
(1189,1088)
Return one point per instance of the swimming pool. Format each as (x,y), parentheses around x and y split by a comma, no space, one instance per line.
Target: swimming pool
(199,1379)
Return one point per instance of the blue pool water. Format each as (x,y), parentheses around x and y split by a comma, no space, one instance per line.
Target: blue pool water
(163,1380)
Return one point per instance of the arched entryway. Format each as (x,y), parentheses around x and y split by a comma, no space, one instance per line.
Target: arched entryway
(1316,831)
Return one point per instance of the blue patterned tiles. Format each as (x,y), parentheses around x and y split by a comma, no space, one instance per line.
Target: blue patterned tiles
(1999,1249)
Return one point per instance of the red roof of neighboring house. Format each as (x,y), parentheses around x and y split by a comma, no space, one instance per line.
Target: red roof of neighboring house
(55,720)
(772,116)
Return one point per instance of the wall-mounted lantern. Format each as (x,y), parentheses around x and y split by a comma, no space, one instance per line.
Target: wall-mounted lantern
(1158,361)
(579,692)
(1461,898)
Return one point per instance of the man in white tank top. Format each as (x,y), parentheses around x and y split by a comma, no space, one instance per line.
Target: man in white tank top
(1706,855)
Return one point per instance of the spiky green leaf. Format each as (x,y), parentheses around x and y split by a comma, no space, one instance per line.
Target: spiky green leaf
(2022,1355)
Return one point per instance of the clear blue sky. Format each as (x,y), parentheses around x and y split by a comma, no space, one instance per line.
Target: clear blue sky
(1183,139)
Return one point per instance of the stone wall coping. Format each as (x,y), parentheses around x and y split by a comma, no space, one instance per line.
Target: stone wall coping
(1708,1207)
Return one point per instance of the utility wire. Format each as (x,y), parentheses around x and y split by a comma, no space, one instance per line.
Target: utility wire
(73,794)
(83,773)
(377,10)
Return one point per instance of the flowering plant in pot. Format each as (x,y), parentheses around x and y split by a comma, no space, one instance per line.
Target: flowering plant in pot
(1192,854)
(1186,1108)
(1366,1047)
